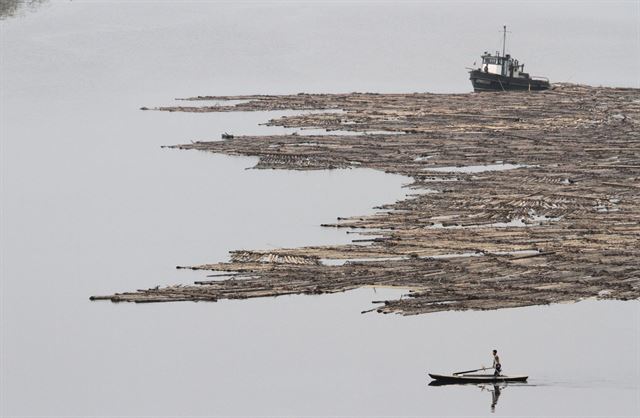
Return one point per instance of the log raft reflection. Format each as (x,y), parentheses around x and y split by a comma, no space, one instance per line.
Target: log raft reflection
(521,198)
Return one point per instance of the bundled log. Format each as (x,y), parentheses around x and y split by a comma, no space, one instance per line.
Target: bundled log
(529,198)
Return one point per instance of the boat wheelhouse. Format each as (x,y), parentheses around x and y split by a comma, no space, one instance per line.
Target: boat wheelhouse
(503,72)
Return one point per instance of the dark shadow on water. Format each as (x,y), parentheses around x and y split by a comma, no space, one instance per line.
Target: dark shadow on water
(495,389)
(13,8)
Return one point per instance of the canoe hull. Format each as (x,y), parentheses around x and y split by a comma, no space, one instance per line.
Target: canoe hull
(476,378)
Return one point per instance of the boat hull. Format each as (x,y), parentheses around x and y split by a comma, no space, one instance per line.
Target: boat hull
(482,81)
(476,378)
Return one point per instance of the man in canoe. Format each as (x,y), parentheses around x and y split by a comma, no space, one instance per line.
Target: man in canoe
(496,363)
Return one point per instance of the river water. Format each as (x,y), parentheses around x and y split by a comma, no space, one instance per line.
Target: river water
(91,204)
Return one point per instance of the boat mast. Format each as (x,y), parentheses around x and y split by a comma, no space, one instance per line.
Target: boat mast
(504,38)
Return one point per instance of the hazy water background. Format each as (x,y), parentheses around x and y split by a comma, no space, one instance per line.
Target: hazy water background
(91,204)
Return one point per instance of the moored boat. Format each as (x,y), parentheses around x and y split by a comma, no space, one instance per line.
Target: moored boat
(476,378)
(503,72)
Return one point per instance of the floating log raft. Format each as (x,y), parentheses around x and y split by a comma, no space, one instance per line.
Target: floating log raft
(521,198)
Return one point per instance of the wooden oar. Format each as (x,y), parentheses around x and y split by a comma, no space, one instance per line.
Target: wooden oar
(471,371)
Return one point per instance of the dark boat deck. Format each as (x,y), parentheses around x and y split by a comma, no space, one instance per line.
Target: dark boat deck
(476,378)
(483,81)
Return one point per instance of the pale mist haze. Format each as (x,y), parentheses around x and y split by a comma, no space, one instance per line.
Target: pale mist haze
(291,47)
(92,205)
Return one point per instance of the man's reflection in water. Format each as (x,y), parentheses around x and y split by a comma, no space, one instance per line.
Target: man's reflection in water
(495,389)
(495,394)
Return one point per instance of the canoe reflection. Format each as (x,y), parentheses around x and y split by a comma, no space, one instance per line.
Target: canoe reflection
(495,389)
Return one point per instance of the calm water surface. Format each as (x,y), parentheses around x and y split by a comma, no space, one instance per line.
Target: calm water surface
(91,204)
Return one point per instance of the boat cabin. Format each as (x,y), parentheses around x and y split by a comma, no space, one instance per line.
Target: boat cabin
(502,65)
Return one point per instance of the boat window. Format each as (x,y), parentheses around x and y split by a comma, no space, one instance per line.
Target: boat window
(493,60)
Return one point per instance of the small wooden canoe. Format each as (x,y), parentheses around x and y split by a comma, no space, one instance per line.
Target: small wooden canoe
(476,378)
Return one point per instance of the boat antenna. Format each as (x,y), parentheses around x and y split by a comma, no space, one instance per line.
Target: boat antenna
(504,38)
